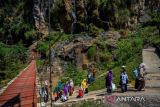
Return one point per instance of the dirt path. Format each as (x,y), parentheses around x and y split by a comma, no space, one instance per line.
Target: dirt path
(151,59)
(102,93)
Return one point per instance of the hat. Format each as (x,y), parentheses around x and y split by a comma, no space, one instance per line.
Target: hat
(123,66)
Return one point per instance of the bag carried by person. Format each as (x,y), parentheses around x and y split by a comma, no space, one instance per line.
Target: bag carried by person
(135,73)
(114,87)
(63,98)
(86,90)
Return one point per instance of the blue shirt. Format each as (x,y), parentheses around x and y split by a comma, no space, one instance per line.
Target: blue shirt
(124,78)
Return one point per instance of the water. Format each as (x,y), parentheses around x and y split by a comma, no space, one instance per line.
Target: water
(73,13)
(74,17)
(37,12)
(86,15)
(53,55)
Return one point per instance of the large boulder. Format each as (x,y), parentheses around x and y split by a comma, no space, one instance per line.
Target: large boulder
(75,51)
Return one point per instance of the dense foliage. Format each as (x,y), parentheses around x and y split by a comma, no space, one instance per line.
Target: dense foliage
(17,32)
(16,23)
(12,59)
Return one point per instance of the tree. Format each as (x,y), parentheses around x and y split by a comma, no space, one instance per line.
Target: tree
(122,17)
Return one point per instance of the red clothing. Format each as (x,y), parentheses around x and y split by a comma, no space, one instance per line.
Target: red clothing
(80,93)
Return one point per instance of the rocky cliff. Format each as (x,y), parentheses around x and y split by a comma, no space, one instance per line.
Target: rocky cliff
(102,13)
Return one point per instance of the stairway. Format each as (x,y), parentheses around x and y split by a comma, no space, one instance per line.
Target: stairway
(152,61)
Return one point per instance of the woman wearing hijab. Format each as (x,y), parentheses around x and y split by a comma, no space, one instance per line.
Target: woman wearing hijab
(89,75)
(66,89)
(84,85)
(94,74)
(109,77)
(141,76)
(71,86)
(60,86)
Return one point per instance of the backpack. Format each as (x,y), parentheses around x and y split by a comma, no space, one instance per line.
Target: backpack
(86,90)
(135,73)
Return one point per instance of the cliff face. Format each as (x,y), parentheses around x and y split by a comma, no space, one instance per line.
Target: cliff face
(38,14)
(75,16)
(104,14)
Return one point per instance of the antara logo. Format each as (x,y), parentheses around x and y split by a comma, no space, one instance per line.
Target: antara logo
(114,99)
(130,99)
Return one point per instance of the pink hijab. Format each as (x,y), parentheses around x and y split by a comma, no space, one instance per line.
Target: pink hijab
(71,83)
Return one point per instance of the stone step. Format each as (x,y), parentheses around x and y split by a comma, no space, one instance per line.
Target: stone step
(152,76)
(152,84)
(153,70)
(149,49)
(151,59)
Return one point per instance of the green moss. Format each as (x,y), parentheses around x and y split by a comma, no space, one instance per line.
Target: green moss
(95,30)
(92,51)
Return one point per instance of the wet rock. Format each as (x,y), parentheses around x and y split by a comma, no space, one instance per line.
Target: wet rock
(111,38)
(38,15)
(75,50)
(145,18)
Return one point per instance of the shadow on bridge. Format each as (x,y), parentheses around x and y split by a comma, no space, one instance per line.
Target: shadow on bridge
(12,102)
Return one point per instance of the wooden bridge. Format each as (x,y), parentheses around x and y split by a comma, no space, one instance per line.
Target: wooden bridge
(22,91)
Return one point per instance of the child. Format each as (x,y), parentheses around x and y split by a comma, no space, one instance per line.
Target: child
(55,96)
(63,97)
(123,80)
(80,93)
